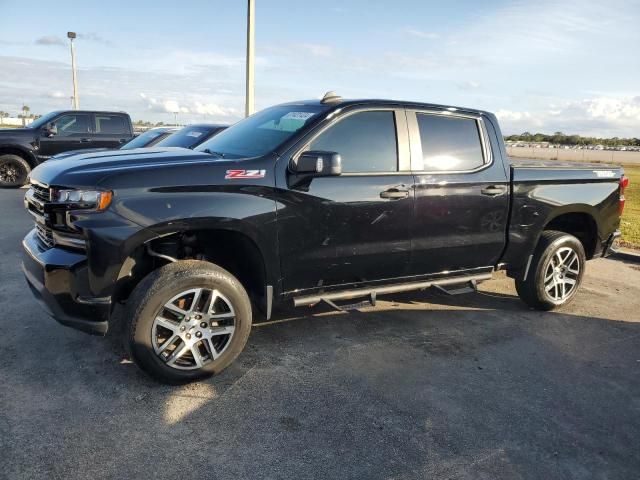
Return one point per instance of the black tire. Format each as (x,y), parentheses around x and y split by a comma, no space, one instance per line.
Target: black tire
(14,171)
(533,290)
(149,299)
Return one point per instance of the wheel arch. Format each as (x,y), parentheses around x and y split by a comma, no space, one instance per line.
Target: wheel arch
(20,152)
(234,249)
(579,222)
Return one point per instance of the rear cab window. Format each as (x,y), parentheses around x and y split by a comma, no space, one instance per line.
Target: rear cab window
(107,124)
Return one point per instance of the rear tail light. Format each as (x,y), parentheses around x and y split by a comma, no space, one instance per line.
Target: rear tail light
(624,183)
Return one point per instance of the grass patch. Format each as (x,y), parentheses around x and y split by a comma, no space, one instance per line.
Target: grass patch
(630,225)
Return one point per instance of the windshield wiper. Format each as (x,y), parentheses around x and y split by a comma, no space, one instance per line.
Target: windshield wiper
(211,152)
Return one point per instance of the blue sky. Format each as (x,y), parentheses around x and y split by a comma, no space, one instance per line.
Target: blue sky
(541,66)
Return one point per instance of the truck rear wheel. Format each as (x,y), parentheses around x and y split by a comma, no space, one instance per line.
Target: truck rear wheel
(14,171)
(187,320)
(555,273)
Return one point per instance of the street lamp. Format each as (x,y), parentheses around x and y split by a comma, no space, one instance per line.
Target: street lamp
(251,33)
(76,104)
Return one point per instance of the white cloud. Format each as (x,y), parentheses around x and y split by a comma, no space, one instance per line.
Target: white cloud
(50,40)
(421,33)
(317,50)
(600,117)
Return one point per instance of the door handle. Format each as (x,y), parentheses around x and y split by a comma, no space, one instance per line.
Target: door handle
(394,194)
(85,140)
(494,190)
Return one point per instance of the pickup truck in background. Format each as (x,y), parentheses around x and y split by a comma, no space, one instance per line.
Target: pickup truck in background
(22,149)
(303,203)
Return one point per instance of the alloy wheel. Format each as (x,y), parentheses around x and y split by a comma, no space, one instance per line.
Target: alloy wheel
(561,274)
(193,328)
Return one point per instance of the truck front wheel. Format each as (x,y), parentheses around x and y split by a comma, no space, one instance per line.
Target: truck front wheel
(187,320)
(14,171)
(555,272)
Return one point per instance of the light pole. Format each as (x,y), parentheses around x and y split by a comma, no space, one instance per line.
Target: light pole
(76,104)
(251,33)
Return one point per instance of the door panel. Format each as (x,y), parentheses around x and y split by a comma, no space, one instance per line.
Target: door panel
(342,231)
(460,217)
(352,228)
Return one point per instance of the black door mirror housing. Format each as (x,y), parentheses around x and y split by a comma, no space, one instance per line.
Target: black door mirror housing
(317,164)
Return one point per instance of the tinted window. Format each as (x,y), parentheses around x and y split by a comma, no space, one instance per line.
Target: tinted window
(186,137)
(72,124)
(143,139)
(366,142)
(449,143)
(111,125)
(262,132)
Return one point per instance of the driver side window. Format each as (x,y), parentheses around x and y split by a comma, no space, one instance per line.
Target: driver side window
(73,124)
(366,141)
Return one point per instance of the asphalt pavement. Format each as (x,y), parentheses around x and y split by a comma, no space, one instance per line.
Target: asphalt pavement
(475,386)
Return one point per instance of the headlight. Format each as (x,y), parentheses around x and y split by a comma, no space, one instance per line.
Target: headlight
(97,200)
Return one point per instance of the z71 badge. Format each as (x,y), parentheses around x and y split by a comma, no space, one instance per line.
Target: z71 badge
(233,174)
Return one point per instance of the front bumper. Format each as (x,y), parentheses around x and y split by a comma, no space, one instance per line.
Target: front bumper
(58,279)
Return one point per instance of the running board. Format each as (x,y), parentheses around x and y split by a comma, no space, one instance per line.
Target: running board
(372,292)
(469,287)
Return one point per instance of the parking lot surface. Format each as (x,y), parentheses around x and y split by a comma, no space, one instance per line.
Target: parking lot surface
(475,386)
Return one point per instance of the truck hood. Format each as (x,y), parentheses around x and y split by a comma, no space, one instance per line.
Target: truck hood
(92,168)
(15,132)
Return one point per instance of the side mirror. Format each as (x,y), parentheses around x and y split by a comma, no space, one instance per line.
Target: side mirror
(317,163)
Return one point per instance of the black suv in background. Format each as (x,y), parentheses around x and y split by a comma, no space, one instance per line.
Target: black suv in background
(22,149)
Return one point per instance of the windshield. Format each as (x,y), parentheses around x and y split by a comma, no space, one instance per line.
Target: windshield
(143,139)
(43,120)
(262,132)
(187,137)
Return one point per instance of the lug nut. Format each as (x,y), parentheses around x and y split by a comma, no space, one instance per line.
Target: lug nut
(198,317)
(203,325)
(188,336)
(198,334)
(182,328)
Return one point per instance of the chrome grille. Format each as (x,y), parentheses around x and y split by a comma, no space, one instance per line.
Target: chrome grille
(40,192)
(45,235)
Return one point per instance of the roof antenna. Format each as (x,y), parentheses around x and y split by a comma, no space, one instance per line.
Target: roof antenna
(331,97)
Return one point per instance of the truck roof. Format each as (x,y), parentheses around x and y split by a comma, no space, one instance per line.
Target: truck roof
(110,112)
(341,103)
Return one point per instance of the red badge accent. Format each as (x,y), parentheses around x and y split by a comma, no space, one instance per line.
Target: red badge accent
(233,174)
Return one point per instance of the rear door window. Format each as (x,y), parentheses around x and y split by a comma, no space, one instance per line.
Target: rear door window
(449,143)
(111,125)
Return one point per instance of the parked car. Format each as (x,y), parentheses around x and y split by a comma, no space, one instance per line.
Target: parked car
(300,204)
(145,140)
(22,149)
(192,135)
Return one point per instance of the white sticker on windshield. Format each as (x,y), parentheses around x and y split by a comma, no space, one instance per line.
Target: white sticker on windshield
(194,134)
(298,116)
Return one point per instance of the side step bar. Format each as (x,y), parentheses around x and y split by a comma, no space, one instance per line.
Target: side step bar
(372,292)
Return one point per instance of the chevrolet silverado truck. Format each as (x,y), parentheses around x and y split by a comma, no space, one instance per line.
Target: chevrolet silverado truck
(304,203)
(22,149)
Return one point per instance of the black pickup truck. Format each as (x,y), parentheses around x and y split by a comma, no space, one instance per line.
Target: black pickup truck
(22,149)
(302,203)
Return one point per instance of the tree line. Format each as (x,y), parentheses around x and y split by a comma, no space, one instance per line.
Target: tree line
(559,138)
